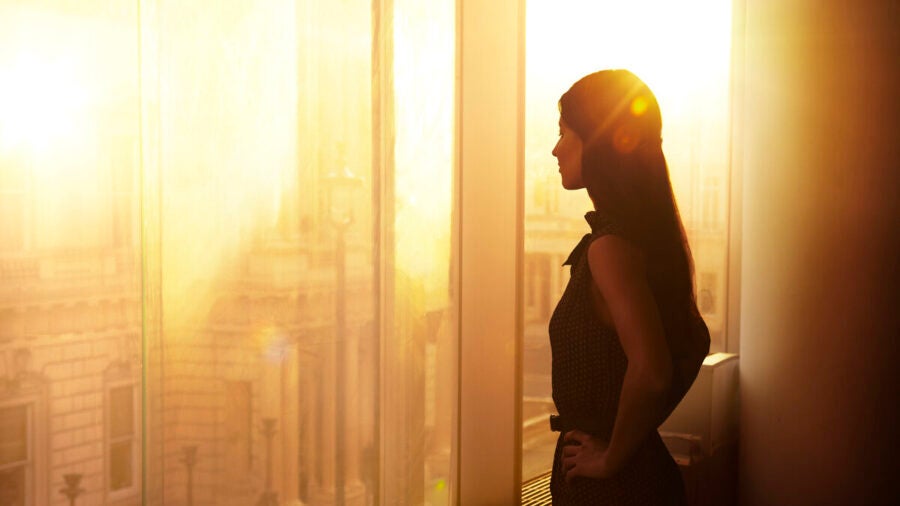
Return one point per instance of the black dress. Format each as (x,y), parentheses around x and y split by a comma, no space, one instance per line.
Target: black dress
(588,371)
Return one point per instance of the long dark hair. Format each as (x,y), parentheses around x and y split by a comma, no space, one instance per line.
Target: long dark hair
(625,173)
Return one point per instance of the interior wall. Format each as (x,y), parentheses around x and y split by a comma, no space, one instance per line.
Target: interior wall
(819,324)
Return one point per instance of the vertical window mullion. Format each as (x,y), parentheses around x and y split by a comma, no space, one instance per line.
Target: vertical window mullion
(490,179)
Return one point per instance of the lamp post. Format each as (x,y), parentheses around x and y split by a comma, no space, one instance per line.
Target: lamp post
(341,185)
(269,497)
(189,459)
(72,488)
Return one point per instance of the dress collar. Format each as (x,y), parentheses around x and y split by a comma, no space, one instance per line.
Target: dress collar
(598,222)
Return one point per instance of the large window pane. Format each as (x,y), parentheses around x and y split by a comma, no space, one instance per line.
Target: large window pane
(420,363)
(293,216)
(305,312)
(266,271)
(682,51)
(69,258)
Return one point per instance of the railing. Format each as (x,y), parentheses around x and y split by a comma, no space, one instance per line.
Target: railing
(536,491)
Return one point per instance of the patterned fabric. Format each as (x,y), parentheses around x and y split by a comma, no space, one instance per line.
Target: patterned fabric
(588,371)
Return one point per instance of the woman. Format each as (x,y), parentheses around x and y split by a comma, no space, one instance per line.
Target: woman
(626,336)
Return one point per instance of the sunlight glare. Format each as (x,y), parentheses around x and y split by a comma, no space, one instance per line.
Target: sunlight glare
(41,99)
(638,106)
(424,143)
(680,49)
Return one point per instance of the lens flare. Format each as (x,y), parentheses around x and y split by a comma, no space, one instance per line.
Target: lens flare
(273,343)
(626,139)
(639,106)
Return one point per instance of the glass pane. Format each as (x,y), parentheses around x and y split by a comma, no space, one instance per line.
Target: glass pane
(69,101)
(121,412)
(306,338)
(420,379)
(14,427)
(120,465)
(689,73)
(305,318)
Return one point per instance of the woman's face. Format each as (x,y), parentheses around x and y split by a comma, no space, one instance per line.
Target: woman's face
(568,153)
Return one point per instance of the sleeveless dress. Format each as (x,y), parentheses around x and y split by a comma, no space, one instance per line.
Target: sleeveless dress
(588,372)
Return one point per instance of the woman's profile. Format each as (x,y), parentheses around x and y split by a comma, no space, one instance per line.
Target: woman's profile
(626,336)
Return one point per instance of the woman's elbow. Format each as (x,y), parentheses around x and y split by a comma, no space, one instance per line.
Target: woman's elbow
(656,378)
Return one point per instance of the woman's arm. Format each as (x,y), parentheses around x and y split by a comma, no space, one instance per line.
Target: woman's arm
(618,271)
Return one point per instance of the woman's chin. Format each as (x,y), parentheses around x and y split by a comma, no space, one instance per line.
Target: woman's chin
(571,186)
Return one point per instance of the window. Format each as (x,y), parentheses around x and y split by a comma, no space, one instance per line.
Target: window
(122,440)
(682,51)
(16,455)
(538,282)
(305,175)
(255,116)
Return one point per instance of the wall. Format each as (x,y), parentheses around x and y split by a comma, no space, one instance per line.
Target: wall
(819,327)
(69,332)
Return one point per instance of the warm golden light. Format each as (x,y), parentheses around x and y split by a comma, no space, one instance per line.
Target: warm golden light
(672,46)
(424,119)
(639,106)
(168,228)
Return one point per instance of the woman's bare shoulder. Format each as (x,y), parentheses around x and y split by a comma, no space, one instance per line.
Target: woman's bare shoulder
(612,254)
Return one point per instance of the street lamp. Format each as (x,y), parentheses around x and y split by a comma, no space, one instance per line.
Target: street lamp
(189,459)
(341,186)
(73,487)
(269,497)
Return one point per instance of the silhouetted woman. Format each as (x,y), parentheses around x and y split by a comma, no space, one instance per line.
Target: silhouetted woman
(626,336)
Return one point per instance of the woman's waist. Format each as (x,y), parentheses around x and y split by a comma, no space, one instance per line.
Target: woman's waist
(593,424)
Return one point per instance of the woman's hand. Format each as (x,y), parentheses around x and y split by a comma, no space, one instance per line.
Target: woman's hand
(587,458)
